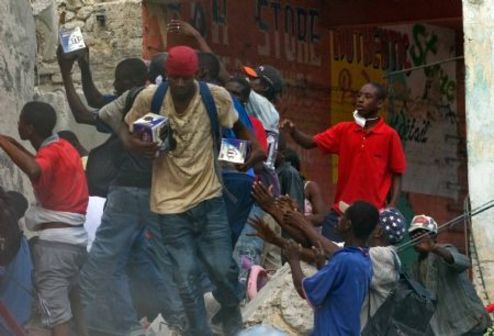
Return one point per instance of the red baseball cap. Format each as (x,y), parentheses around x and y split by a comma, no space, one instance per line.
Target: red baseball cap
(182,61)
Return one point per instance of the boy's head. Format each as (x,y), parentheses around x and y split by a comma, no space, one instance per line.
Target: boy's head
(370,99)
(267,81)
(209,68)
(37,119)
(182,66)
(239,87)
(292,157)
(358,220)
(157,67)
(422,228)
(129,73)
(390,229)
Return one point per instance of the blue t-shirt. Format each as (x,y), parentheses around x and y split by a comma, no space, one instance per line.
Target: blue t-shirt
(337,292)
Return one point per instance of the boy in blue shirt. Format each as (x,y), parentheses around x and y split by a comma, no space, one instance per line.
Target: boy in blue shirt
(338,290)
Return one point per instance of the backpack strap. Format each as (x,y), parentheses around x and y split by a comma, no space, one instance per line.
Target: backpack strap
(208,100)
(131,97)
(397,263)
(158,97)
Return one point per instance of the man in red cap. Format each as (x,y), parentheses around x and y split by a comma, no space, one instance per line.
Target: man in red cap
(187,193)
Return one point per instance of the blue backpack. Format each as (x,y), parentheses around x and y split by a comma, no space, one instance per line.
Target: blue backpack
(237,186)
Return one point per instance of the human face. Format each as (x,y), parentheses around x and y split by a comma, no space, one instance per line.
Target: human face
(258,85)
(121,84)
(423,240)
(24,129)
(367,103)
(181,87)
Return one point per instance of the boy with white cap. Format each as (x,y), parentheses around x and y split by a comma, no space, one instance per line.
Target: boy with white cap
(443,270)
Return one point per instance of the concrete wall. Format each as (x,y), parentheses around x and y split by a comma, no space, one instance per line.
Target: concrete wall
(118,37)
(16,79)
(479,61)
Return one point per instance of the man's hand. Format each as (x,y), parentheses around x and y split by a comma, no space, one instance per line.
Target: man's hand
(255,156)
(288,125)
(182,27)
(135,144)
(297,220)
(65,63)
(286,203)
(264,232)
(291,251)
(263,196)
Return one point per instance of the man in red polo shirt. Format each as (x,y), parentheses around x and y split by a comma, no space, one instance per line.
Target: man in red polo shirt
(371,158)
(60,187)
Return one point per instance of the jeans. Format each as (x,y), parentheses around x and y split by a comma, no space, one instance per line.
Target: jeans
(329,227)
(108,306)
(248,250)
(202,233)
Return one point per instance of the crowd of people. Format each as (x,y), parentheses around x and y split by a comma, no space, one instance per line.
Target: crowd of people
(125,232)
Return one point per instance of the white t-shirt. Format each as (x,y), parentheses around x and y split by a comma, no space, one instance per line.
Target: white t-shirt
(94,213)
(261,108)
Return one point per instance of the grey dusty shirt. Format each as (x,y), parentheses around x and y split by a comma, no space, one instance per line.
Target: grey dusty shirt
(459,309)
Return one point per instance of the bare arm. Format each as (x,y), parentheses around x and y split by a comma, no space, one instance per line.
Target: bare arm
(21,157)
(304,140)
(256,154)
(395,190)
(293,255)
(82,114)
(93,95)
(266,201)
(297,220)
(319,208)
(185,28)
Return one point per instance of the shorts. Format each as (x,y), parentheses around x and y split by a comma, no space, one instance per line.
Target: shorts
(56,268)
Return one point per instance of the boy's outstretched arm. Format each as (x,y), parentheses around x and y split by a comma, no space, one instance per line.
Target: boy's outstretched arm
(82,114)
(304,140)
(93,96)
(297,220)
(185,28)
(292,253)
(21,157)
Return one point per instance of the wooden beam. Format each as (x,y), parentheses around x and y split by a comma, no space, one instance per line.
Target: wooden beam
(349,13)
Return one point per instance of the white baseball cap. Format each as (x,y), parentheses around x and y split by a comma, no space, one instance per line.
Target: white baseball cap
(423,222)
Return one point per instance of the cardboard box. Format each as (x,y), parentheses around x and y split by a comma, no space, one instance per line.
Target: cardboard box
(233,150)
(71,40)
(155,128)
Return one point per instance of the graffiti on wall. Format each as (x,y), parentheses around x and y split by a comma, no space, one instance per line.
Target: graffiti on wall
(422,103)
(281,33)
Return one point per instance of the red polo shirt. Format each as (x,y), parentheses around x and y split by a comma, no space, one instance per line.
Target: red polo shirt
(62,184)
(366,160)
